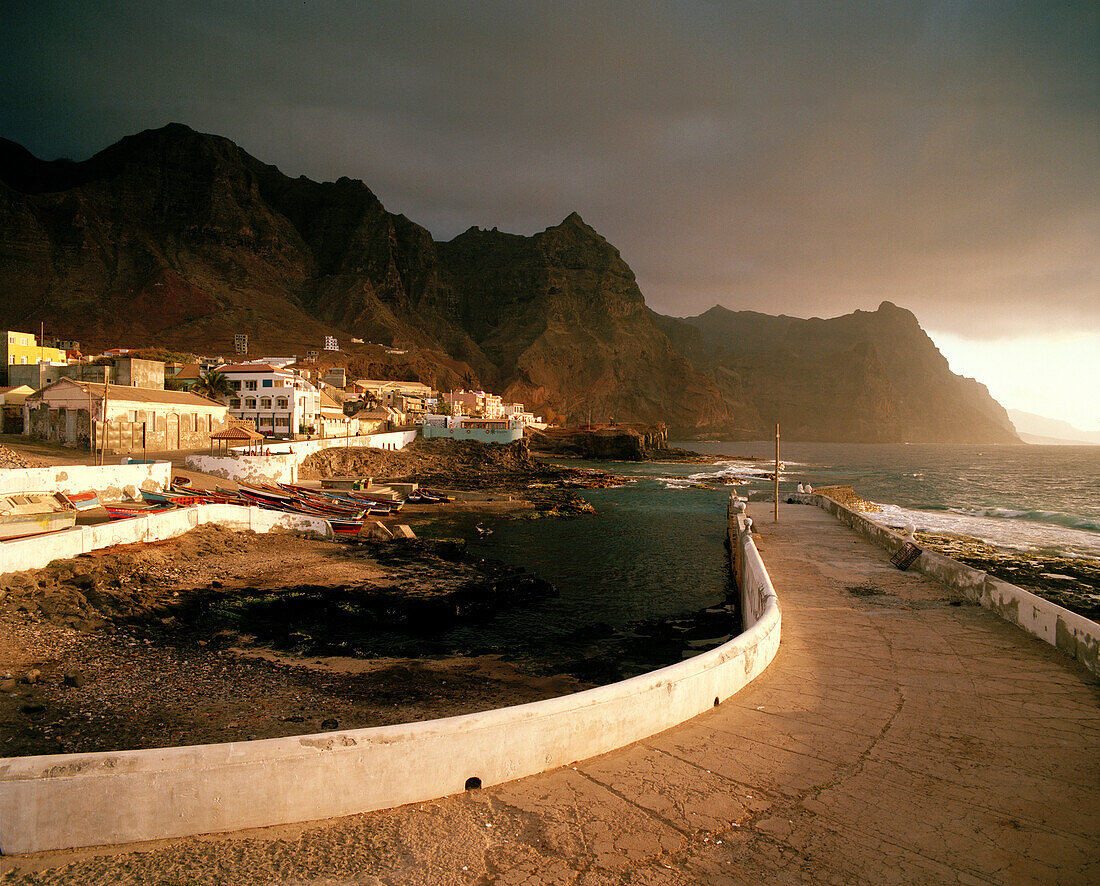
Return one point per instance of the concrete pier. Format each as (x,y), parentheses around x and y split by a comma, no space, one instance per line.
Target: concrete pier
(901,735)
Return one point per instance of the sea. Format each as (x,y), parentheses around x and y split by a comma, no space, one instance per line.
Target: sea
(644,581)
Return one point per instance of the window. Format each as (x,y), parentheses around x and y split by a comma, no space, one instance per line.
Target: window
(235,403)
(281,422)
(268,383)
(281,403)
(265,403)
(250,385)
(235,385)
(250,403)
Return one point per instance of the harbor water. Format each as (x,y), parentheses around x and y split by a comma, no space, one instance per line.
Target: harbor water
(644,581)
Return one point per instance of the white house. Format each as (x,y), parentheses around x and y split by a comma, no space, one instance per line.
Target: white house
(279,402)
(74,413)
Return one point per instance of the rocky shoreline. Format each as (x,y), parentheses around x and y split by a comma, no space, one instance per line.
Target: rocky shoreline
(1071,582)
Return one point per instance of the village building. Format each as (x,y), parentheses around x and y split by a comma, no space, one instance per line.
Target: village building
(337,376)
(11,408)
(278,402)
(185,376)
(475,403)
(334,422)
(517,412)
(116,370)
(130,419)
(483,430)
(22,349)
(384,392)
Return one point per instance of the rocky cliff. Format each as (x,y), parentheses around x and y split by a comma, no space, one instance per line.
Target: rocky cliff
(181,239)
(872,377)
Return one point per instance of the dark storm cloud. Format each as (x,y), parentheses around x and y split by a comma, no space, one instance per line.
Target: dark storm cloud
(805,158)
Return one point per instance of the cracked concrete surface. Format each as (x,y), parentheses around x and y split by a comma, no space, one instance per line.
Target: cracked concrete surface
(901,735)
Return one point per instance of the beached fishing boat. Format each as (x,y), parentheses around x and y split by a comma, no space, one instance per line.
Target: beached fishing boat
(174,498)
(124,511)
(83,501)
(34,513)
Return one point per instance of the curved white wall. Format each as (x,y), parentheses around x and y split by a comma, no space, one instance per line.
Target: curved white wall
(53,802)
(36,551)
(283,468)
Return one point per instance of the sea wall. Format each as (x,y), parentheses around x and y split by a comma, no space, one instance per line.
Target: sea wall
(53,802)
(110,482)
(37,551)
(282,466)
(1074,634)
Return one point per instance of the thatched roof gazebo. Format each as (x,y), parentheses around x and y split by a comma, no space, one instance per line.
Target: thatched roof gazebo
(235,434)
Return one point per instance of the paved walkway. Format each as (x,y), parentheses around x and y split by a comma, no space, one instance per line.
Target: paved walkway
(900,736)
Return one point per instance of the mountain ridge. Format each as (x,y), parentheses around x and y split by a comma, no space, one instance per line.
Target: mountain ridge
(181,238)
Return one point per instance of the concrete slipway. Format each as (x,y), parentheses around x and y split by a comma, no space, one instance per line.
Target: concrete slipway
(901,735)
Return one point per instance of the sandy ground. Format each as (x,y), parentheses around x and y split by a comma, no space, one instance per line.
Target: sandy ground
(131,652)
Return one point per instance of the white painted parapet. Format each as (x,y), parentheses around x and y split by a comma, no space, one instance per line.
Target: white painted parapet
(53,802)
(282,465)
(37,551)
(109,482)
(1074,634)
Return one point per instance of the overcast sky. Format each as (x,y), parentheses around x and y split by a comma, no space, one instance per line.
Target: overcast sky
(786,157)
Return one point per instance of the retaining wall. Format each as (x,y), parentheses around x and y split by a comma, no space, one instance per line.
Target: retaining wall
(110,482)
(283,468)
(37,551)
(52,802)
(1074,634)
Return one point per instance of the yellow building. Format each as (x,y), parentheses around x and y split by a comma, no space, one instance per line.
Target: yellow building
(21,348)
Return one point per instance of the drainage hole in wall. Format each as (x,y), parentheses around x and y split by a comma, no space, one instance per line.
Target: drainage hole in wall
(473,783)
(716,701)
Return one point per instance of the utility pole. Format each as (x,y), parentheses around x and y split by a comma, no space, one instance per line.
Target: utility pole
(106,427)
(777,472)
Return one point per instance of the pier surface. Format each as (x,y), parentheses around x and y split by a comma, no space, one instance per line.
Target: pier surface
(901,735)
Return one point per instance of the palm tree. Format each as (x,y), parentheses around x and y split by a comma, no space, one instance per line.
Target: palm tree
(215,385)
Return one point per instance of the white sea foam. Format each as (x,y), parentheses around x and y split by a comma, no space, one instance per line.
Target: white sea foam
(677,482)
(1003,527)
(734,469)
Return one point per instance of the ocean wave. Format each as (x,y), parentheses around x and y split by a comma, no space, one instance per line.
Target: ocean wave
(677,482)
(733,469)
(1054,517)
(1076,537)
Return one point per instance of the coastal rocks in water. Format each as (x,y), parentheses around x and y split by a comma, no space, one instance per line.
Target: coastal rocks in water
(616,443)
(847,496)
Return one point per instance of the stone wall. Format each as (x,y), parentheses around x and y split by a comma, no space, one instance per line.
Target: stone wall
(158,432)
(109,482)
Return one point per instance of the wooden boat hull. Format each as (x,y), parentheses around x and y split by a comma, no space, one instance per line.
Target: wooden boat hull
(22,525)
(84,501)
(123,512)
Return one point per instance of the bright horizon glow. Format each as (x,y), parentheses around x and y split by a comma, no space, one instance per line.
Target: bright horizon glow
(1056,377)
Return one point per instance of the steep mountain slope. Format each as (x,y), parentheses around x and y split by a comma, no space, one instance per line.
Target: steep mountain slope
(561,317)
(181,239)
(863,377)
